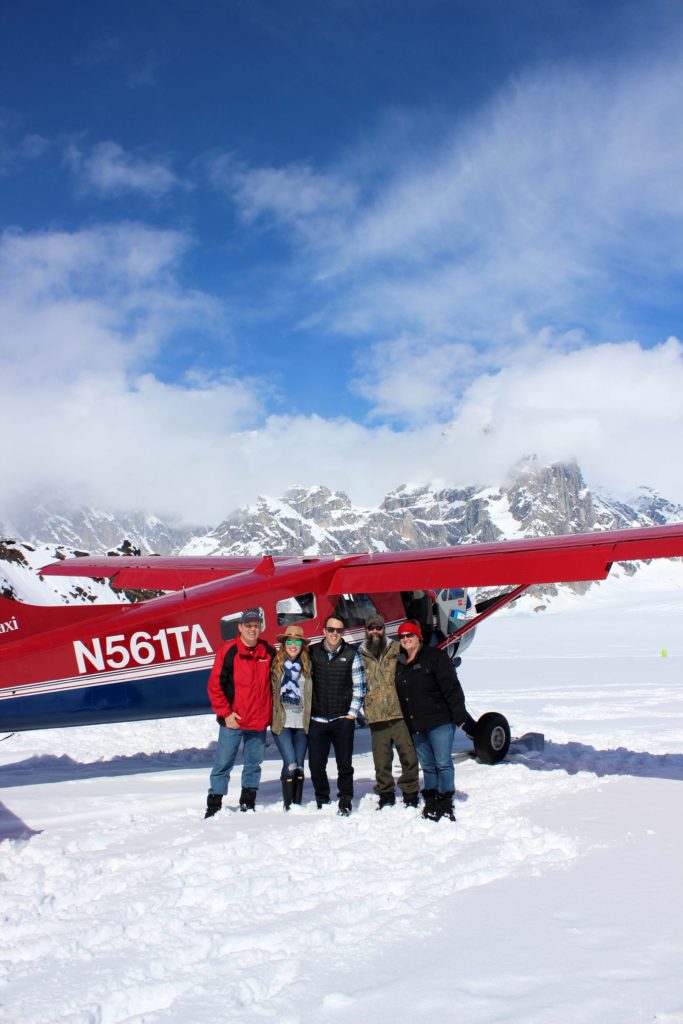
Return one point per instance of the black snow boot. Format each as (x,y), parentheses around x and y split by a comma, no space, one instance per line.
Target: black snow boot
(411,799)
(214,802)
(345,806)
(444,803)
(386,800)
(298,786)
(430,810)
(248,799)
(288,789)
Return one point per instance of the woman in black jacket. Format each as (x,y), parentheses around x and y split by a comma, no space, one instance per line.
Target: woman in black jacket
(433,704)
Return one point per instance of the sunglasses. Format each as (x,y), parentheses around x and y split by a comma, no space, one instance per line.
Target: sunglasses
(375,629)
(409,636)
(293,640)
(334,629)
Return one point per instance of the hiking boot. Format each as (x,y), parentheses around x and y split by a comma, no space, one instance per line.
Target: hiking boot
(386,800)
(430,810)
(345,806)
(321,801)
(214,802)
(411,799)
(248,799)
(444,803)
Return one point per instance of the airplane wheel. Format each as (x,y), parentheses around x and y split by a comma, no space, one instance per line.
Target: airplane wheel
(492,738)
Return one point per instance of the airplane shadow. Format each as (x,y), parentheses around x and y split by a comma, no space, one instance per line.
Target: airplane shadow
(12,827)
(573,757)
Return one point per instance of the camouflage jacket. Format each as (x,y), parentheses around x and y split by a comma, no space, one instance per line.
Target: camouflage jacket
(381,702)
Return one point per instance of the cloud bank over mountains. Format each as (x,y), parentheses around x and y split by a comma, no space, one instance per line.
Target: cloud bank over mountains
(452,290)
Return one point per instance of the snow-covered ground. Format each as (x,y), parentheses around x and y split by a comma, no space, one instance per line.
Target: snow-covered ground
(557,895)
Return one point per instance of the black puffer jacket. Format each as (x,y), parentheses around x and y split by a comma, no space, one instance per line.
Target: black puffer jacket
(429,691)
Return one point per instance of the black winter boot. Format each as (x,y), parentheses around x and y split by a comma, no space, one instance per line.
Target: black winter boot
(444,803)
(288,788)
(386,800)
(248,799)
(345,806)
(298,786)
(430,810)
(411,799)
(214,802)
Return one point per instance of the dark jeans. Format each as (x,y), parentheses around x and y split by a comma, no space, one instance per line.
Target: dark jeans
(385,736)
(321,736)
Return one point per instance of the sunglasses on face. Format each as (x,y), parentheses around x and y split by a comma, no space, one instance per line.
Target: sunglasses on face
(334,629)
(295,642)
(375,629)
(408,636)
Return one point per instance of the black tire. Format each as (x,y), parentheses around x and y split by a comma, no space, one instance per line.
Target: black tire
(492,738)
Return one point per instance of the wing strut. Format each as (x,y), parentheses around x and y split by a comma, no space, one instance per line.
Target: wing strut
(493,606)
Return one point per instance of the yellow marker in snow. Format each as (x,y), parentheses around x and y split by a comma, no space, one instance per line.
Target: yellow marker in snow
(664,652)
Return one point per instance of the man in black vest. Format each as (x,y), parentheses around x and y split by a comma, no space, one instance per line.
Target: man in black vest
(338,692)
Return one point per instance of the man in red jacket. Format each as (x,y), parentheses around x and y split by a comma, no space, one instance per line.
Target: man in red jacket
(239,691)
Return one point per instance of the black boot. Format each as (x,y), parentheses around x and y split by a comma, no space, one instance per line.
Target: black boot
(386,800)
(444,803)
(214,802)
(430,809)
(288,788)
(345,806)
(248,799)
(411,799)
(298,786)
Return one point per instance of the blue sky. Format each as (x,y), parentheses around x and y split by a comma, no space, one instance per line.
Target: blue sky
(246,245)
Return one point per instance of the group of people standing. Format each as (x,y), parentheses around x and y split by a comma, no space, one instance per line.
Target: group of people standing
(312,695)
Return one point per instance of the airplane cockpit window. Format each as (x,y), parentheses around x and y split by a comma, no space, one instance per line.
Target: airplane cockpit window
(295,609)
(354,609)
(229,625)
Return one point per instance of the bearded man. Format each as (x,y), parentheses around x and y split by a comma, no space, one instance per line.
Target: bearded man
(388,729)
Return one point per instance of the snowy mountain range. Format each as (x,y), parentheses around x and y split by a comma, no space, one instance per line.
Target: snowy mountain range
(537,500)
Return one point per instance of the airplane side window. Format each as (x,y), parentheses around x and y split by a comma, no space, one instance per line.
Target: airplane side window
(354,609)
(295,609)
(229,625)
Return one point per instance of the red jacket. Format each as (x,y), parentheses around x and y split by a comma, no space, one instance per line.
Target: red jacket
(240,682)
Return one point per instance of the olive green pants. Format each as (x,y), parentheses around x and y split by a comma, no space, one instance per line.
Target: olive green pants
(385,736)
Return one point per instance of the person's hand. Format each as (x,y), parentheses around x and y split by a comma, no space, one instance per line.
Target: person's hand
(233,721)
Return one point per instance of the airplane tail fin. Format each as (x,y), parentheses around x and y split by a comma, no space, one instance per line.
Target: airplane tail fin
(19,620)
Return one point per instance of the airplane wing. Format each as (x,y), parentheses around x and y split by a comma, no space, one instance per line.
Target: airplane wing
(154,572)
(565,559)
(584,556)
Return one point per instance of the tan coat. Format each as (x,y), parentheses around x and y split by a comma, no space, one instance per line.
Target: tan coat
(381,701)
(279,708)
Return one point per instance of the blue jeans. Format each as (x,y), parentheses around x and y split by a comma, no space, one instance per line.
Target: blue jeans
(292,744)
(226,752)
(434,749)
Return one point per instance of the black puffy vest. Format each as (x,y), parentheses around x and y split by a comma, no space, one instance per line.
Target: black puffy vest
(332,680)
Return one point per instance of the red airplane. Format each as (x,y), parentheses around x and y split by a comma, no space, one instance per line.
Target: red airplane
(88,664)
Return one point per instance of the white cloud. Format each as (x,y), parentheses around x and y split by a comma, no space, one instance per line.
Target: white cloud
(84,315)
(557,205)
(295,196)
(109,169)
